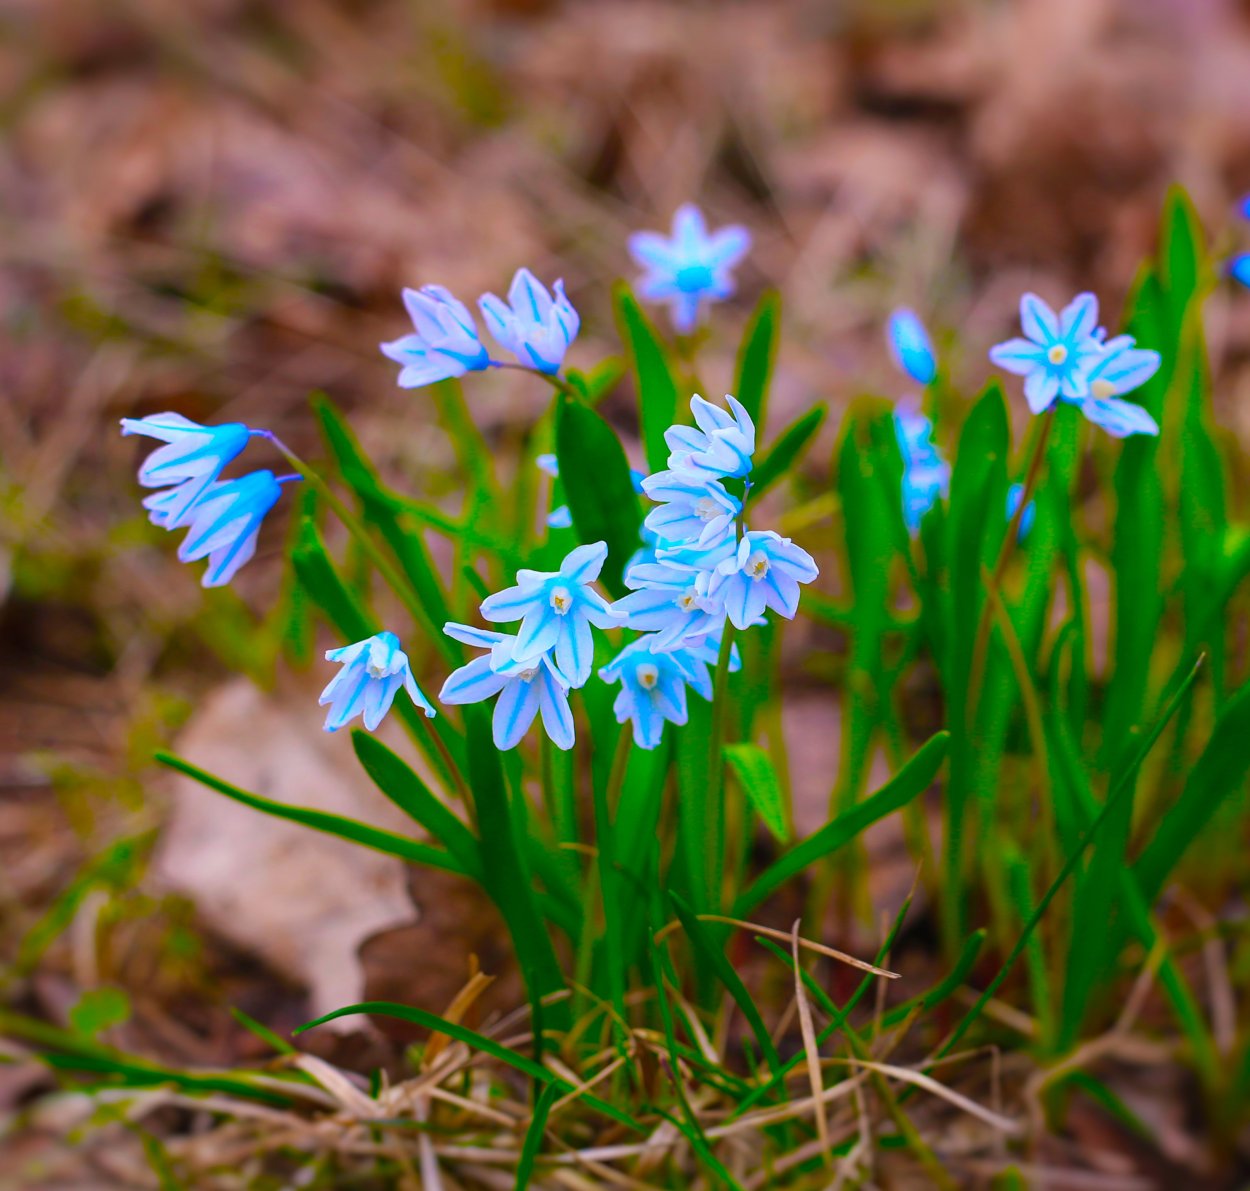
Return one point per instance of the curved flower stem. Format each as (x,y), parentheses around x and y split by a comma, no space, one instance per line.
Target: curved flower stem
(389,574)
(554,379)
(976,671)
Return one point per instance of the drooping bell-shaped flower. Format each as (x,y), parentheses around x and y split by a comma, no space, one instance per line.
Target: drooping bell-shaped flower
(224,524)
(191,459)
(372,674)
(926,475)
(719,444)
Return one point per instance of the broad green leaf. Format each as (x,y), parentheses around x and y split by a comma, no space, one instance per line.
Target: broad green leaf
(757,356)
(910,781)
(503,864)
(395,778)
(600,492)
(345,828)
(657,387)
(1183,255)
(488,1046)
(759,781)
(792,442)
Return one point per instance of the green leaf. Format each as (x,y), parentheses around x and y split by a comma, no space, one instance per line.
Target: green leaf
(344,828)
(503,865)
(1220,771)
(98,1009)
(951,983)
(534,1136)
(1183,256)
(319,578)
(794,439)
(657,387)
(757,355)
(910,781)
(600,492)
(710,951)
(403,787)
(489,1046)
(759,781)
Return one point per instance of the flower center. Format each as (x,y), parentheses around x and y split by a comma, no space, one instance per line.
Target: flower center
(561,601)
(693,278)
(529,674)
(757,566)
(688,601)
(648,675)
(1102,389)
(1057,354)
(707,509)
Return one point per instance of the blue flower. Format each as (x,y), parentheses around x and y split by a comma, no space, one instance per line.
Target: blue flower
(653,690)
(720,444)
(533,326)
(1244,207)
(692,509)
(764,573)
(373,671)
(191,460)
(1121,368)
(1014,495)
(689,268)
(446,342)
(524,688)
(556,610)
(697,660)
(910,346)
(674,605)
(926,475)
(1239,267)
(1057,352)
(225,522)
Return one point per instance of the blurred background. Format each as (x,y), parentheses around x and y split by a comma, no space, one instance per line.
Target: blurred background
(210,206)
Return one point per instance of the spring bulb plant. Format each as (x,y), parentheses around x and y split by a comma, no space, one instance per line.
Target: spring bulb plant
(608,648)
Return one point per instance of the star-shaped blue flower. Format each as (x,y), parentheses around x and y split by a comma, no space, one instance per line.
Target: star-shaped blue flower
(674,605)
(911,346)
(525,689)
(445,344)
(765,572)
(1121,368)
(373,671)
(653,691)
(556,610)
(689,268)
(1056,353)
(532,325)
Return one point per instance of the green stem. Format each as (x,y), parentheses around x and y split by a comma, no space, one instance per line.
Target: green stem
(976,672)
(715,797)
(554,379)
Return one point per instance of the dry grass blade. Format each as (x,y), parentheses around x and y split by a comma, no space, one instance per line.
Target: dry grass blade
(476,985)
(920,1080)
(819,948)
(808,1030)
(353,1101)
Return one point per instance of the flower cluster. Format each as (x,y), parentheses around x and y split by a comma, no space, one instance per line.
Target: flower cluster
(1068,357)
(222,517)
(550,654)
(532,324)
(704,569)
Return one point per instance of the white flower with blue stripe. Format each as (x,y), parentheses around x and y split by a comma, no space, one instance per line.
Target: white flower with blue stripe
(691,267)
(765,572)
(1121,368)
(533,325)
(1057,352)
(525,689)
(373,671)
(225,521)
(692,509)
(445,343)
(721,443)
(556,610)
